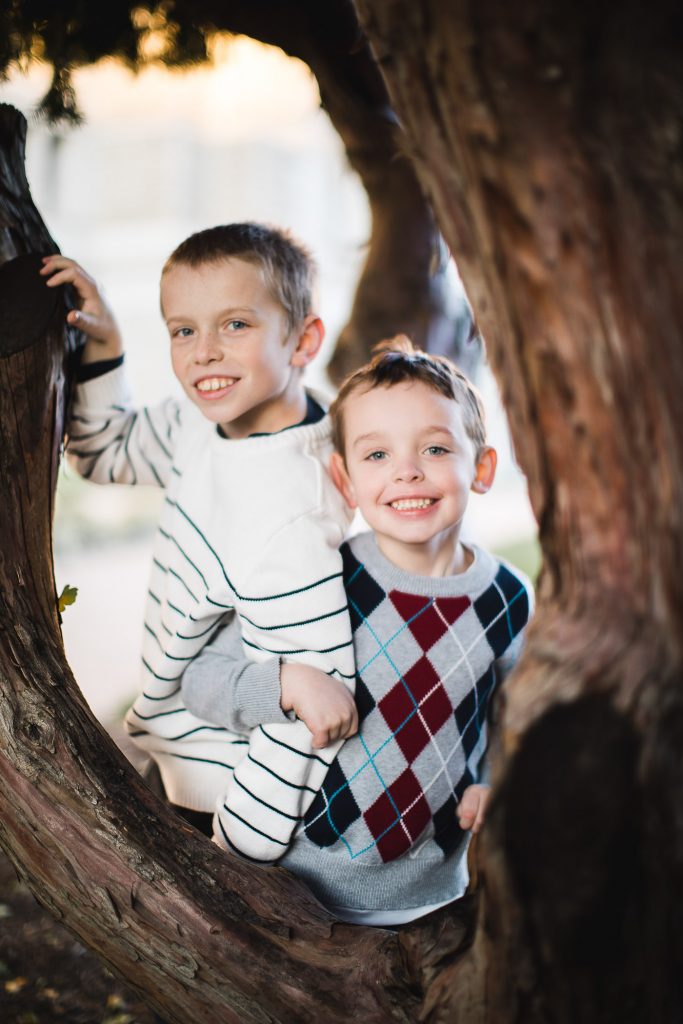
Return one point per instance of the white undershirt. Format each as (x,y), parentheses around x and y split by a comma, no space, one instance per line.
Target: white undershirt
(385,917)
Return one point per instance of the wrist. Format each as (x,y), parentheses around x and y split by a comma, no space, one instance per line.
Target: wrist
(101,351)
(286,702)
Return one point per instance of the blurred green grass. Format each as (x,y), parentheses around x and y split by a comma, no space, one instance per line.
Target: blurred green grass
(525,554)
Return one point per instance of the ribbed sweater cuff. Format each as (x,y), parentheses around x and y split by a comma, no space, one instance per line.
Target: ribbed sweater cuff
(109,389)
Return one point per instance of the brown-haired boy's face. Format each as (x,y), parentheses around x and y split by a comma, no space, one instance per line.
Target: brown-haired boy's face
(409,464)
(231,349)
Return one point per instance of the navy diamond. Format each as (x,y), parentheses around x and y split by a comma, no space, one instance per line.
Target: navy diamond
(503,620)
(465,780)
(324,824)
(447,832)
(365,702)
(363,592)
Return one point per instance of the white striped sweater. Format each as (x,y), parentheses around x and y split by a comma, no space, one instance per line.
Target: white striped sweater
(253,525)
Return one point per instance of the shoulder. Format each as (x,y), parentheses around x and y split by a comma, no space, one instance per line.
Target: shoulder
(504,589)
(357,551)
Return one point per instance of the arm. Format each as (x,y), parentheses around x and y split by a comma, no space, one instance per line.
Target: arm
(307,622)
(109,441)
(223,687)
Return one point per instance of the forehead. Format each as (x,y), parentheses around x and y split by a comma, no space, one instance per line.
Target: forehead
(410,407)
(232,281)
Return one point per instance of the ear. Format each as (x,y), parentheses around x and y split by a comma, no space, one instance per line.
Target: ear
(485,470)
(310,339)
(340,479)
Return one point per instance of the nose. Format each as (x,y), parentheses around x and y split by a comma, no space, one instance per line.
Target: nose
(408,470)
(207,348)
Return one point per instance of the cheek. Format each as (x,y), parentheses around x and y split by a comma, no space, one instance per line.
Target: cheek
(368,486)
(180,359)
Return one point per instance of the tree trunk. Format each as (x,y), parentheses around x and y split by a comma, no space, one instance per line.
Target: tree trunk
(202,935)
(548,138)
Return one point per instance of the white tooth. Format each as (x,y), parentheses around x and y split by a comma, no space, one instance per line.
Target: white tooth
(214,384)
(411,503)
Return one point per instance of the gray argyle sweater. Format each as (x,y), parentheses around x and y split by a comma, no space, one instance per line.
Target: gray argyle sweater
(381,833)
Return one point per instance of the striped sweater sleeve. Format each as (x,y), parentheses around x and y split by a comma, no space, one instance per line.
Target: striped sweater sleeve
(109,441)
(306,620)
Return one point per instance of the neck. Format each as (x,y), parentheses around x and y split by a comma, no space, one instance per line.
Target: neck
(286,411)
(439,556)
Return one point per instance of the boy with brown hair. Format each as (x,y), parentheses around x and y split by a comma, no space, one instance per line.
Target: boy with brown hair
(251,521)
(437,625)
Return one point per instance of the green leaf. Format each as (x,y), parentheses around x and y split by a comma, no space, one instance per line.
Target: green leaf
(67,597)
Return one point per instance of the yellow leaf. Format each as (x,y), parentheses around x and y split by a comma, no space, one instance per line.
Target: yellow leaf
(67,597)
(15,985)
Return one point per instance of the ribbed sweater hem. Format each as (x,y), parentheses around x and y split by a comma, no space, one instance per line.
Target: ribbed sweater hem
(400,884)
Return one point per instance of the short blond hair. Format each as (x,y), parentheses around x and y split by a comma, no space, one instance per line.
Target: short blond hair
(288,267)
(396,361)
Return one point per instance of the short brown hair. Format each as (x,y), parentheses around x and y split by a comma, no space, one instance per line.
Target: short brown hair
(396,361)
(288,267)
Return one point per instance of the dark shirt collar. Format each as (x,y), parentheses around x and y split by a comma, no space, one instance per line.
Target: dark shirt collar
(314,413)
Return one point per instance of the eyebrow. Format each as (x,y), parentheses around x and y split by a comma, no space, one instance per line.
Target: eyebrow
(231,311)
(375,436)
(439,430)
(372,436)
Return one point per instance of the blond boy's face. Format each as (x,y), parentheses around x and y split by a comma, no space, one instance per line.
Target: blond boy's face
(231,348)
(410,465)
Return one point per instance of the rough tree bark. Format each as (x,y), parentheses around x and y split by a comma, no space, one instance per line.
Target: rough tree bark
(548,138)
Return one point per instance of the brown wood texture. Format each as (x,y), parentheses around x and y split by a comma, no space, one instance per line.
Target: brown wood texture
(548,138)
(203,936)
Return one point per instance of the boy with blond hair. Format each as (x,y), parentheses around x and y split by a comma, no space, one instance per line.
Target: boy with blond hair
(251,522)
(437,625)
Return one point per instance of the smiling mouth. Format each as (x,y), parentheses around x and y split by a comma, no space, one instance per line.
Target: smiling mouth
(411,504)
(211,384)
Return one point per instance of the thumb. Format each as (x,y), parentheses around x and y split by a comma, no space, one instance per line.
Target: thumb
(90,325)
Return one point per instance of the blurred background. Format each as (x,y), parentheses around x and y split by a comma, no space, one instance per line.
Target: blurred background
(160,155)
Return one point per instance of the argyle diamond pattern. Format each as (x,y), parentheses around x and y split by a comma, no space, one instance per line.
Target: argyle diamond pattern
(425,676)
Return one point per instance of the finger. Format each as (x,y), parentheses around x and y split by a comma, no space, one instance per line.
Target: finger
(350,726)
(465,819)
(335,732)
(91,325)
(54,263)
(481,813)
(320,739)
(54,260)
(466,812)
(84,285)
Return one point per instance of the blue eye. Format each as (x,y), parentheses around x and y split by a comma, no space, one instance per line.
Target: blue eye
(375,456)
(437,449)
(182,332)
(236,325)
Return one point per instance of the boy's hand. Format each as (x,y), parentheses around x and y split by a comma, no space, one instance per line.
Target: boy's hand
(94,317)
(471,810)
(324,705)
